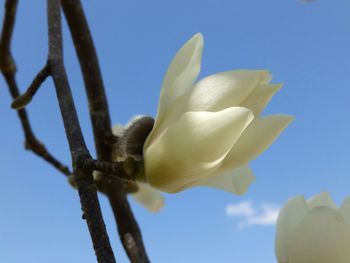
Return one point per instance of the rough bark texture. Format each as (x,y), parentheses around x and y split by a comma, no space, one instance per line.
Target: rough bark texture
(128,228)
(116,176)
(84,179)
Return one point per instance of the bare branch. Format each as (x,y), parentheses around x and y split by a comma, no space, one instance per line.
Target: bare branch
(125,170)
(21,101)
(84,179)
(129,231)
(8,69)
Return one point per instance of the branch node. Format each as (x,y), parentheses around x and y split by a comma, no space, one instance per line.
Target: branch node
(7,64)
(125,170)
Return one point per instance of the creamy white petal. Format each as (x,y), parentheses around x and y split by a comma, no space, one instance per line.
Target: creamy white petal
(148,197)
(322,236)
(223,90)
(290,215)
(256,138)
(213,93)
(260,97)
(181,74)
(345,210)
(236,181)
(193,147)
(322,199)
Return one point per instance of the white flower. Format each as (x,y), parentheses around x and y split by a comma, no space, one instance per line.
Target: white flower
(206,132)
(313,231)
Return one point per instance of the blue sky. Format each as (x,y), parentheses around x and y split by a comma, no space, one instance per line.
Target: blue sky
(305,45)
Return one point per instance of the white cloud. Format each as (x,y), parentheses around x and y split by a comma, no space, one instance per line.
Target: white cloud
(248,215)
(240,209)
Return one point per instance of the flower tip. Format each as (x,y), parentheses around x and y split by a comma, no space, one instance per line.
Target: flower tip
(277,86)
(198,36)
(324,194)
(286,119)
(290,118)
(266,76)
(198,39)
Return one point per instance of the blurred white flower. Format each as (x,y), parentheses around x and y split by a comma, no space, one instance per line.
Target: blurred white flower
(313,231)
(206,132)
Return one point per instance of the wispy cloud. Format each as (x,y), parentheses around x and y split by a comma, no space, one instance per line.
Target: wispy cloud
(249,215)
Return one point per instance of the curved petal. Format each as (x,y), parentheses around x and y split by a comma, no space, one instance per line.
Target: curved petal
(345,210)
(148,197)
(260,97)
(258,136)
(236,181)
(223,90)
(290,215)
(193,147)
(322,199)
(322,236)
(213,93)
(181,74)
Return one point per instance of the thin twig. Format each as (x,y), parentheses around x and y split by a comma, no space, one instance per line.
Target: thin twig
(128,228)
(84,179)
(8,69)
(21,101)
(125,170)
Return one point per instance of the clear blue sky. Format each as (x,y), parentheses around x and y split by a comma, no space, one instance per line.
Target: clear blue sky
(306,46)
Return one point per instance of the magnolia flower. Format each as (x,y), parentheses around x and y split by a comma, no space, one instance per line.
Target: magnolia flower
(313,231)
(206,132)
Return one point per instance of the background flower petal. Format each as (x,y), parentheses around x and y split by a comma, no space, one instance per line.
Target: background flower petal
(322,199)
(345,210)
(290,215)
(322,236)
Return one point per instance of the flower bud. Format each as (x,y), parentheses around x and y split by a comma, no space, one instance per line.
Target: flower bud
(313,231)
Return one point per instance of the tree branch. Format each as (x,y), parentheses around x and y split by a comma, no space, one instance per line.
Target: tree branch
(125,170)
(21,101)
(84,179)
(129,231)
(8,70)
